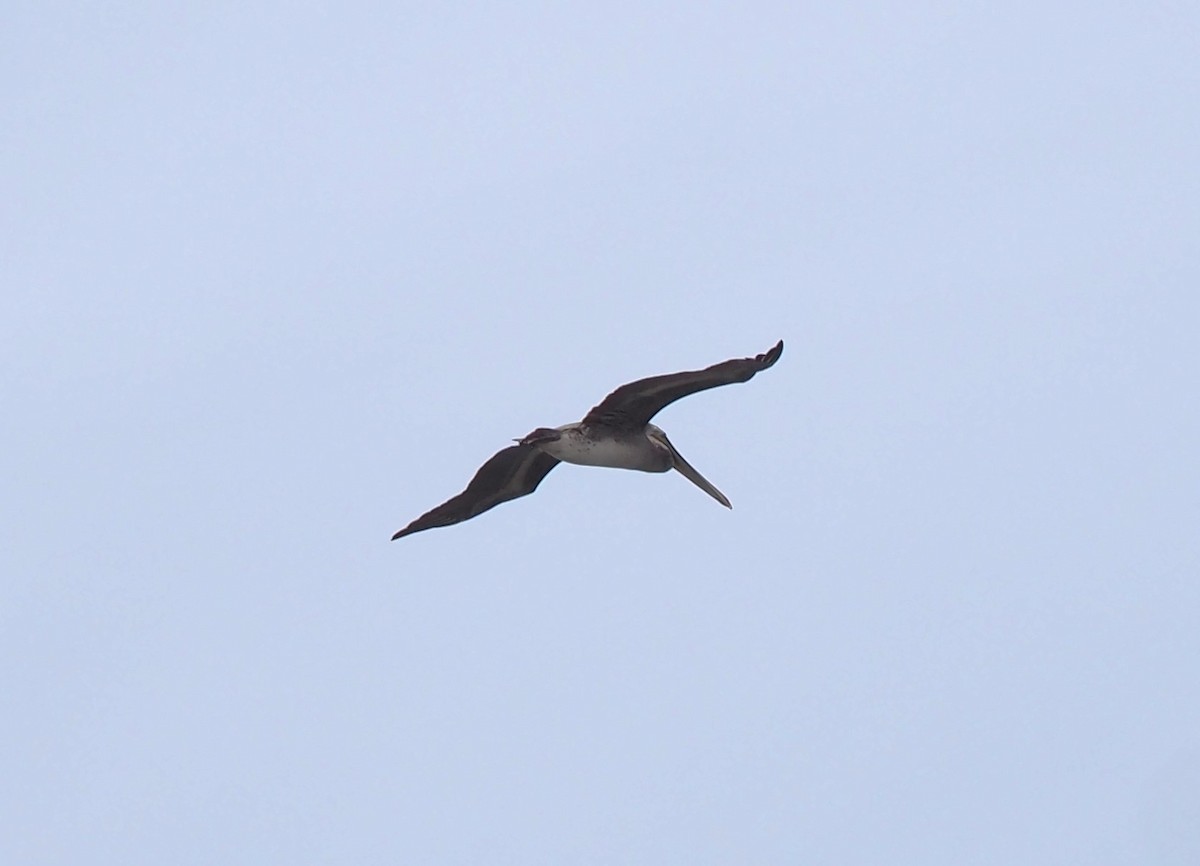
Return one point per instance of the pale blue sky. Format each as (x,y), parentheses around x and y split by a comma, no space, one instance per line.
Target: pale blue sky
(278,278)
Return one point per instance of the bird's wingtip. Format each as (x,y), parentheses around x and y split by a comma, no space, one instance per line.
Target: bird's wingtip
(770,356)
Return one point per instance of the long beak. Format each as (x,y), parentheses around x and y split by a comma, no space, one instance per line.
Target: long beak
(689,472)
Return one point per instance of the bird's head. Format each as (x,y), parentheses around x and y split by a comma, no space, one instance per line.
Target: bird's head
(540,436)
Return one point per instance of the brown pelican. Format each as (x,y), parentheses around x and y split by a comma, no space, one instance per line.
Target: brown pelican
(616,433)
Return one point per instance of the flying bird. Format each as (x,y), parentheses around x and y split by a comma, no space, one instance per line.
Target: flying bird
(616,433)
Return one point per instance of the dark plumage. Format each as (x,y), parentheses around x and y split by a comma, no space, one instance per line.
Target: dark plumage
(617,433)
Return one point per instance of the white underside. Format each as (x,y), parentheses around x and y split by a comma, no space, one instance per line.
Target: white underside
(654,453)
(613,453)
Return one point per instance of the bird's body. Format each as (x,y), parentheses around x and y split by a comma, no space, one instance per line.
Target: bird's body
(598,445)
(617,433)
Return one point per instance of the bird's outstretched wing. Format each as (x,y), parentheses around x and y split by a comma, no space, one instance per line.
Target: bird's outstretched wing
(515,471)
(633,405)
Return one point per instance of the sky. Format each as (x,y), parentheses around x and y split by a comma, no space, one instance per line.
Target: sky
(278,278)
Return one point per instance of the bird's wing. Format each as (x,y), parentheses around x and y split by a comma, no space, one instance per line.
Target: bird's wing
(636,403)
(515,471)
